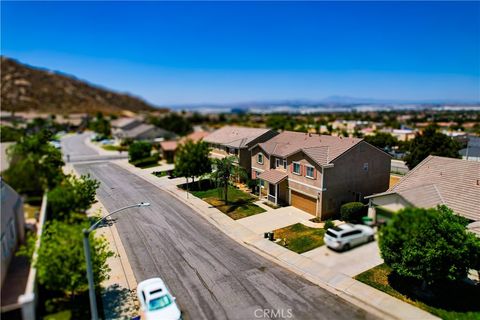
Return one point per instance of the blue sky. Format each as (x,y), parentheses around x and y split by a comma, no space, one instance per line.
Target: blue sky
(222,52)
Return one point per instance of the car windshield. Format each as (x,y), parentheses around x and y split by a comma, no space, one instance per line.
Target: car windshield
(331,234)
(159,303)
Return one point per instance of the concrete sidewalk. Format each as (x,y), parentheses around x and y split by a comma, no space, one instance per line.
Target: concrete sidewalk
(329,278)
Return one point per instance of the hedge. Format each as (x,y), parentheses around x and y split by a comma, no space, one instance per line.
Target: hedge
(353,212)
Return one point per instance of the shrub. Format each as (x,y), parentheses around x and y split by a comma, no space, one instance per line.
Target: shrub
(145,162)
(429,245)
(72,195)
(353,211)
(139,150)
(328,224)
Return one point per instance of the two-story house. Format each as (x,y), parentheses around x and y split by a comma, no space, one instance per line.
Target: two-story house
(236,141)
(318,173)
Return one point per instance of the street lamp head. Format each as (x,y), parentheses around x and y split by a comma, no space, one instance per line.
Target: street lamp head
(144,204)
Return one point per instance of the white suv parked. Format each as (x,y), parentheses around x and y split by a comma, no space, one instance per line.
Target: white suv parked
(347,235)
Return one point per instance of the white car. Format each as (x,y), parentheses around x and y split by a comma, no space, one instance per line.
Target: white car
(156,301)
(347,235)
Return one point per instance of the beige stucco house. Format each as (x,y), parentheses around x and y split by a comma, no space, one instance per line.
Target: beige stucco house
(318,173)
(435,181)
(236,141)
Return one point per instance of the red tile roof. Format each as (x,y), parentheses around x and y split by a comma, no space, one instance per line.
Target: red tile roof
(321,148)
(273,176)
(440,180)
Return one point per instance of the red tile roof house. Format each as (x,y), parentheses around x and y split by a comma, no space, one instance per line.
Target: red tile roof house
(168,148)
(434,181)
(236,141)
(319,173)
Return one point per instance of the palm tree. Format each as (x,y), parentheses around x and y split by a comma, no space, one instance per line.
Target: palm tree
(225,169)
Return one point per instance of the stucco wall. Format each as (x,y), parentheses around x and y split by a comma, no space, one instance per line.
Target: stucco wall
(391,202)
(266,159)
(348,177)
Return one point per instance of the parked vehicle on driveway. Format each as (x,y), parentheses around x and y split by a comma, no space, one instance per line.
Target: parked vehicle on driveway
(156,301)
(347,235)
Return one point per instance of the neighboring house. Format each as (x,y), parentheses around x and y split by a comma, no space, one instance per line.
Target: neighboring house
(236,141)
(470,153)
(168,148)
(472,150)
(13,225)
(434,181)
(319,173)
(146,132)
(125,123)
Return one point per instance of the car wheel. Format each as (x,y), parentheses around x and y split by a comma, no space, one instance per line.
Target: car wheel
(346,247)
(371,238)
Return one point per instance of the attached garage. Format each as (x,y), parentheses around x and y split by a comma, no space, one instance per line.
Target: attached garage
(304,202)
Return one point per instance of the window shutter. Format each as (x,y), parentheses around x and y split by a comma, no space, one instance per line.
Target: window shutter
(254,174)
(291,167)
(314,173)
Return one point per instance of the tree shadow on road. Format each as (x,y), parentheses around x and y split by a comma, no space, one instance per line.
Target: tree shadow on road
(118,303)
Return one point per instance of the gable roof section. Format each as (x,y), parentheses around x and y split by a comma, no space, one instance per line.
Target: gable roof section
(322,149)
(440,180)
(273,176)
(235,137)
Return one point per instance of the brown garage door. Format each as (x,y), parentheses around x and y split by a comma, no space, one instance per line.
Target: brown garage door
(303,202)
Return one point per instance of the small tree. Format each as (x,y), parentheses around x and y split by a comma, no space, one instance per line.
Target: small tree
(139,150)
(101,125)
(328,224)
(431,142)
(35,165)
(353,211)
(225,169)
(61,261)
(429,244)
(382,140)
(73,194)
(191,160)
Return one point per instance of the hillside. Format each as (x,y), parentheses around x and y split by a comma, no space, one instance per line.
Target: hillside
(26,88)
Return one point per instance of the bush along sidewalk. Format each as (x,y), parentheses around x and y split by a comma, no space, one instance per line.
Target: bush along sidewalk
(60,260)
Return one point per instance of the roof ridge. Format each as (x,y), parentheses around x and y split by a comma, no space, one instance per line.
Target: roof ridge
(409,173)
(439,194)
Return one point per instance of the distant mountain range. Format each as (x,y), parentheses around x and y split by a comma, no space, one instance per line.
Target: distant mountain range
(26,88)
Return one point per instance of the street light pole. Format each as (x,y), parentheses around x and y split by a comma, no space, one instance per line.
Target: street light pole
(88,258)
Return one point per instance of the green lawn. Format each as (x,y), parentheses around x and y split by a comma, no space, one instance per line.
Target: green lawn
(300,238)
(110,147)
(160,173)
(239,203)
(448,301)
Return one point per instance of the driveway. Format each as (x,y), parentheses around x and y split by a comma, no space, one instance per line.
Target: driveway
(274,218)
(351,262)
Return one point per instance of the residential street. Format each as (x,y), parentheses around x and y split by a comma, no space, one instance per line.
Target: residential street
(74,146)
(212,276)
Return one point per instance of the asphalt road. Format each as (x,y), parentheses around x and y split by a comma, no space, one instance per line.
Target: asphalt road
(74,146)
(212,276)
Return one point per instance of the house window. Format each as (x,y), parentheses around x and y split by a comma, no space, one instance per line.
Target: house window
(260,158)
(232,151)
(365,166)
(310,172)
(285,164)
(296,168)
(277,163)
